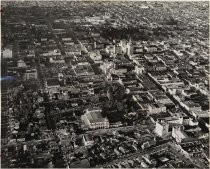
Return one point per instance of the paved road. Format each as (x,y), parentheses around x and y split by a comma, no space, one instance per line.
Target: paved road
(103,131)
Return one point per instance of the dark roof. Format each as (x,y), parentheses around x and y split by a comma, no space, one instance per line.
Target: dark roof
(80,164)
(53,82)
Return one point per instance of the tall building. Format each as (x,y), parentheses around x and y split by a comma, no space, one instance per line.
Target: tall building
(178,133)
(161,128)
(129,49)
(174,126)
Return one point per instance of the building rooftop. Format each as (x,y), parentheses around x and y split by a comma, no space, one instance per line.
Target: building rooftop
(53,82)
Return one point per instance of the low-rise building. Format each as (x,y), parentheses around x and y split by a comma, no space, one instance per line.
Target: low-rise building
(156,108)
(87,140)
(7,53)
(191,106)
(52,85)
(93,119)
(96,56)
(21,64)
(31,74)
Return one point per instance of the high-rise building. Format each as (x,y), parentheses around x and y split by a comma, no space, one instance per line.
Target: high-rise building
(129,49)
(161,128)
(178,133)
